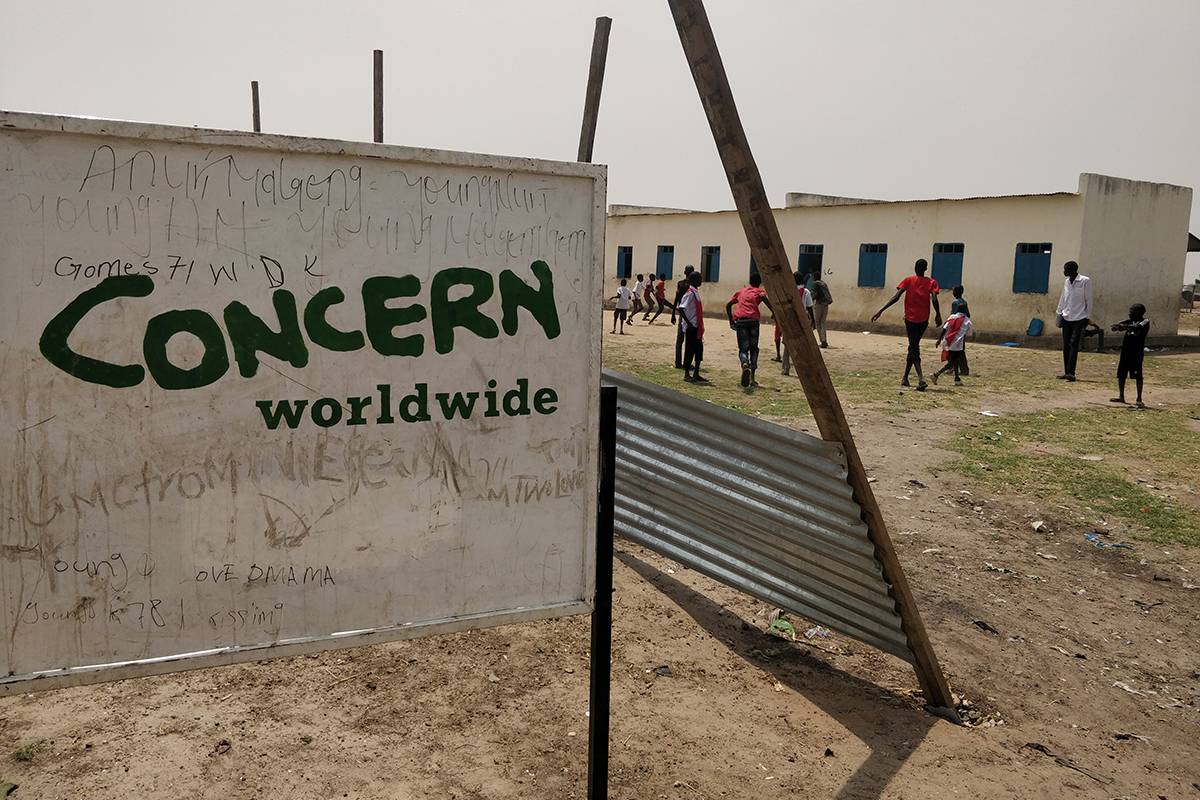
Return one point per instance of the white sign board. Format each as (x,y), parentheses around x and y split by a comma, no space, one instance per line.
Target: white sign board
(265,395)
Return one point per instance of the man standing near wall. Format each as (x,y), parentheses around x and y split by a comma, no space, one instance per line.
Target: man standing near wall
(1075,307)
(691,322)
(680,289)
(822,299)
(918,292)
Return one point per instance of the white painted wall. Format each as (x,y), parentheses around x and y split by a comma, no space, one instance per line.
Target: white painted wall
(1127,222)
(1135,247)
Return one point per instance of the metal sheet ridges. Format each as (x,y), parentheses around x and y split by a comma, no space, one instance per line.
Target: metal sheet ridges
(760,507)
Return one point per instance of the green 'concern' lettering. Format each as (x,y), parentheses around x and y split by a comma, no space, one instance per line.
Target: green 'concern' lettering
(249,335)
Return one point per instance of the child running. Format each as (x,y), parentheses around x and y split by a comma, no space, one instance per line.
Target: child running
(636,296)
(623,297)
(648,296)
(745,322)
(952,336)
(1133,350)
(660,294)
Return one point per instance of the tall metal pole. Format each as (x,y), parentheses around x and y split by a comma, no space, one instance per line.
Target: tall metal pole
(379,96)
(758,220)
(591,103)
(254,106)
(602,614)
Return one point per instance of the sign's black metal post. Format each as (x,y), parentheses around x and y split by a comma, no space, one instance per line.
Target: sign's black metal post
(602,613)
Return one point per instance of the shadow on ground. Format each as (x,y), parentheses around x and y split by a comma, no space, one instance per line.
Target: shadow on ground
(876,715)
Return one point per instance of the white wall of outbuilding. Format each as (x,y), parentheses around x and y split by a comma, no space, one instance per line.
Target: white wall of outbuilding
(1130,237)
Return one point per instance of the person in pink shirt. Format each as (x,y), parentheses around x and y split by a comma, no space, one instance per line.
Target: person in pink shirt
(918,292)
(745,320)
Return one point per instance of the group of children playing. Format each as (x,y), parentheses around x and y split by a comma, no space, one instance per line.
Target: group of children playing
(951,338)
(641,296)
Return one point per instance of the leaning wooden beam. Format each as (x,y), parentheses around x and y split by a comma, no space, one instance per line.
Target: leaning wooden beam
(700,48)
(591,103)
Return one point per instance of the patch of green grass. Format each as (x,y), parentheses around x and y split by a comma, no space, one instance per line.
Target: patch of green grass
(1151,445)
(29,751)
(777,396)
(1175,374)
(1040,455)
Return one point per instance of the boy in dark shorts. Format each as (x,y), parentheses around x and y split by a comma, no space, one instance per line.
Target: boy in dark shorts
(952,337)
(623,296)
(958,305)
(1133,349)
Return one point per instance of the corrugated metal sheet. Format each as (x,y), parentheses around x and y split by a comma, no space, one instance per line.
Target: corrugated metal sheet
(754,505)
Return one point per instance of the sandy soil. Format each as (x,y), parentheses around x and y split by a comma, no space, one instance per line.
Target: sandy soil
(1080,683)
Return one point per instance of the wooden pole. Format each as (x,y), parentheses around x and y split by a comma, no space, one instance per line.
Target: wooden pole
(700,48)
(591,103)
(379,96)
(254,106)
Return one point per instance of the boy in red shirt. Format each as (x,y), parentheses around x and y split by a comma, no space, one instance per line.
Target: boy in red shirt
(745,321)
(660,294)
(918,292)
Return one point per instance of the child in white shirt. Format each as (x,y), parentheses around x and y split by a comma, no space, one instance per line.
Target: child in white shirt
(952,337)
(623,296)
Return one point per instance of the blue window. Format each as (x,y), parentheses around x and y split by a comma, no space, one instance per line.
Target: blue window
(710,264)
(947,264)
(666,260)
(872,264)
(1031,270)
(809,262)
(753,265)
(624,262)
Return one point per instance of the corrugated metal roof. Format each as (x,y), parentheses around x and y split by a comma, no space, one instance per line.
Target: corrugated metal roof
(634,211)
(760,507)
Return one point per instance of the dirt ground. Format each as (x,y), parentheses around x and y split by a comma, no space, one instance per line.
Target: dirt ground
(1080,682)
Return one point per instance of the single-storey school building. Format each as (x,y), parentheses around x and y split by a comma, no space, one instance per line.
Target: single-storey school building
(1130,237)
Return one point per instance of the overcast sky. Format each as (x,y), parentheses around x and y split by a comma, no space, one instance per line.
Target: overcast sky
(878,99)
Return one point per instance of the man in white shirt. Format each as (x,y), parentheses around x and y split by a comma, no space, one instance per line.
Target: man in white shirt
(636,297)
(691,322)
(1075,306)
(806,300)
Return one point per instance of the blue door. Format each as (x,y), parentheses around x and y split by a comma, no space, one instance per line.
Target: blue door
(624,262)
(947,264)
(666,260)
(809,262)
(710,264)
(872,264)
(1031,270)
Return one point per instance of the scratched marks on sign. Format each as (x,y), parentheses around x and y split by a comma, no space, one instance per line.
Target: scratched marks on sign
(202,220)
